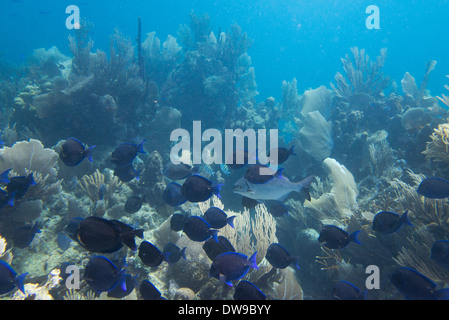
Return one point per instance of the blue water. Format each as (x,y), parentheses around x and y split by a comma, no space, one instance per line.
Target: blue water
(301,39)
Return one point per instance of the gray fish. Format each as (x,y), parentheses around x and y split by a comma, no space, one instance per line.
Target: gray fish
(278,188)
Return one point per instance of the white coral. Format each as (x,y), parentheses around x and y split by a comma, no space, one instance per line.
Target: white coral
(37,292)
(26,156)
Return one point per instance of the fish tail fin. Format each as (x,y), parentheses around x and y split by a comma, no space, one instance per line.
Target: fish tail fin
(35,228)
(12,197)
(89,153)
(303,187)
(30,179)
(363,295)
(291,151)
(166,257)
(222,278)
(251,262)
(230,221)
(140,147)
(216,189)
(213,234)
(183,253)
(138,233)
(353,237)
(128,240)
(195,169)
(4,176)
(122,281)
(296,263)
(19,282)
(405,220)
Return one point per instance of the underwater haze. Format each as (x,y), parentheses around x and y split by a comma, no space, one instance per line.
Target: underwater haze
(224,150)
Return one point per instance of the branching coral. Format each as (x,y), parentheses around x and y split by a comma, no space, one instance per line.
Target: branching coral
(382,158)
(429,212)
(251,233)
(363,76)
(96,186)
(290,98)
(416,96)
(331,259)
(217,71)
(445,99)
(416,254)
(438,148)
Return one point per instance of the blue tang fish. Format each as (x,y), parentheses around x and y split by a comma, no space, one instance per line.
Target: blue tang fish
(125,153)
(9,279)
(73,152)
(198,229)
(172,195)
(24,235)
(102,275)
(389,222)
(279,257)
(415,286)
(4,176)
(434,188)
(334,237)
(198,189)
(20,185)
(150,254)
(344,290)
(440,252)
(246,290)
(149,292)
(231,266)
(217,218)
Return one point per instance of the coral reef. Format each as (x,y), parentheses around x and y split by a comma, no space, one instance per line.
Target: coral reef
(315,136)
(361,139)
(27,156)
(438,148)
(340,203)
(444,99)
(34,291)
(364,78)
